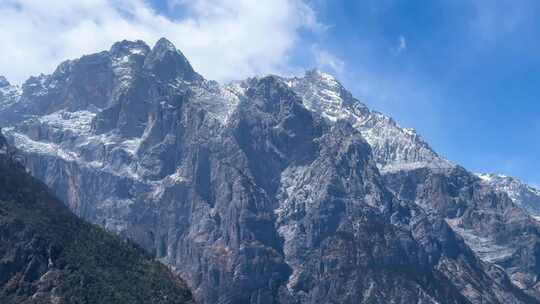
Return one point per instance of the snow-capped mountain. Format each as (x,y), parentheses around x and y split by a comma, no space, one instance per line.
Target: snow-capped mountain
(271,189)
(519,192)
(394,147)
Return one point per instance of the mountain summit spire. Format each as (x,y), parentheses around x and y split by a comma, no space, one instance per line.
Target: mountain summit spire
(4,82)
(167,62)
(134,47)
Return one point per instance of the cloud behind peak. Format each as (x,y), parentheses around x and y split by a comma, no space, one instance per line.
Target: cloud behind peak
(222,39)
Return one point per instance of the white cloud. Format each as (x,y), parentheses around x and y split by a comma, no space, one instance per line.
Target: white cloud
(401,45)
(325,59)
(222,39)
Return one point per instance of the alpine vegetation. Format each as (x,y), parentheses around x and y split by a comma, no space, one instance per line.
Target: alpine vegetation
(48,255)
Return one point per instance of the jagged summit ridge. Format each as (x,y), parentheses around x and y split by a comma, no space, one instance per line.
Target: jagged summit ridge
(395,148)
(126,47)
(4,82)
(167,62)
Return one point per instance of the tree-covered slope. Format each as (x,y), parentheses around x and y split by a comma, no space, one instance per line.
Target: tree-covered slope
(48,255)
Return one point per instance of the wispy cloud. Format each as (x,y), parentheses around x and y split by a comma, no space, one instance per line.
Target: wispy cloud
(324,60)
(495,19)
(400,46)
(223,39)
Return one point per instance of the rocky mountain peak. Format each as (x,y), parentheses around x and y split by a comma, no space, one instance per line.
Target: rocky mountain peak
(395,148)
(165,45)
(4,82)
(167,63)
(322,78)
(126,47)
(324,94)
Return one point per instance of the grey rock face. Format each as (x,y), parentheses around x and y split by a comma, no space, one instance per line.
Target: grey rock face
(167,63)
(498,231)
(520,193)
(267,190)
(405,160)
(4,82)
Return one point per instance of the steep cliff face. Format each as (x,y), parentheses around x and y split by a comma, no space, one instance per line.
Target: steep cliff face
(482,210)
(48,255)
(491,224)
(267,190)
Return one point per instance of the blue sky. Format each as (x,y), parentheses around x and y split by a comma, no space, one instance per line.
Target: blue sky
(468,80)
(465,74)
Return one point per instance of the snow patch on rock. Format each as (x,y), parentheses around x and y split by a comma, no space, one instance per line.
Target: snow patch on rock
(79,122)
